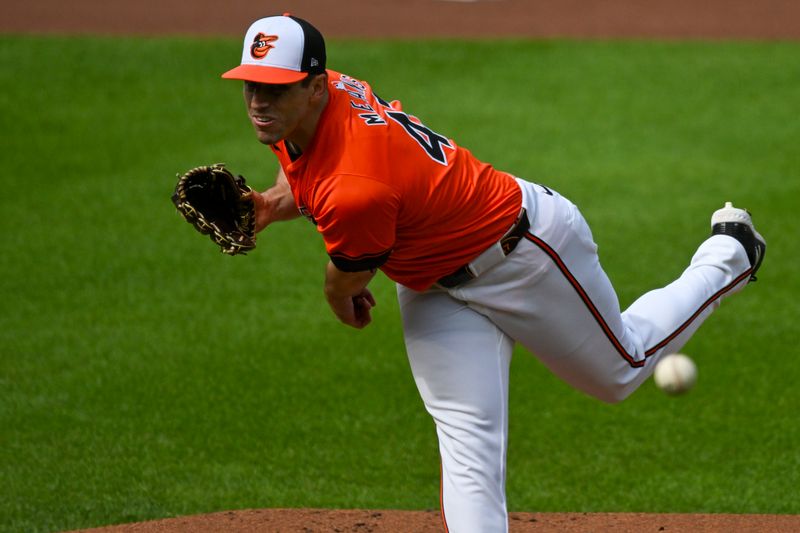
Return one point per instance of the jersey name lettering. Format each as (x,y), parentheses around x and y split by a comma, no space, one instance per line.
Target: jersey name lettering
(429,140)
(372,119)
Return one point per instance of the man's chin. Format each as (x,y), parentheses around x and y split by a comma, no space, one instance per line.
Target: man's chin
(268,139)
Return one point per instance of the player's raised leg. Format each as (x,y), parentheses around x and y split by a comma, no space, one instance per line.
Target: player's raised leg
(460,362)
(722,266)
(584,338)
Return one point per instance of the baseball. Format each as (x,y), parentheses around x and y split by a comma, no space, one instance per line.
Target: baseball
(675,374)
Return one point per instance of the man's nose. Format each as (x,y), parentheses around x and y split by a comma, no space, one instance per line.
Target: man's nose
(260,98)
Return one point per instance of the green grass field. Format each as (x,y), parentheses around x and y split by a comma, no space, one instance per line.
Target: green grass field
(145,375)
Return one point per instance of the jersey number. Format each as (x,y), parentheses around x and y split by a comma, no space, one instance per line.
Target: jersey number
(429,140)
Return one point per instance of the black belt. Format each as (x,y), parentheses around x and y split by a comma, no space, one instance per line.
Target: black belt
(508,243)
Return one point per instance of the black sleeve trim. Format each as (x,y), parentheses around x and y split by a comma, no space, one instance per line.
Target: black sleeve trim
(346,263)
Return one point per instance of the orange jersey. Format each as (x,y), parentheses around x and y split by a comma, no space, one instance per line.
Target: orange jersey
(387,192)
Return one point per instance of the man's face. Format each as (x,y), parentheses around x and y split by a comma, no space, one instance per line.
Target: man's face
(277,111)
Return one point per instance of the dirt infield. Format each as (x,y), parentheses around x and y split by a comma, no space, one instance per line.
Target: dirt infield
(357,521)
(675,19)
(752,19)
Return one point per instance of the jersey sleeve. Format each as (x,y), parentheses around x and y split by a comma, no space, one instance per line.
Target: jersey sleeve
(358,222)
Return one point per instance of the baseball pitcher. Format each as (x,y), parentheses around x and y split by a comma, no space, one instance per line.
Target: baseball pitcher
(482,259)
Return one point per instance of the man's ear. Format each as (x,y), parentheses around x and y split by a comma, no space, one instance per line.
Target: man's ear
(319,85)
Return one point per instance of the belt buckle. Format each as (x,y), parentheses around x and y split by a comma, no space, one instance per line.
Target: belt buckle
(509,242)
(512,238)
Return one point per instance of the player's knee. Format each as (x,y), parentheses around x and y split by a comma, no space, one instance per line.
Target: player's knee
(614,393)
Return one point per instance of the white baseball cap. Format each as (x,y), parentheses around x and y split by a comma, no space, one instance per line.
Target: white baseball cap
(283,49)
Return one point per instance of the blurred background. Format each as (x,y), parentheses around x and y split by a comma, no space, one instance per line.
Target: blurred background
(773,19)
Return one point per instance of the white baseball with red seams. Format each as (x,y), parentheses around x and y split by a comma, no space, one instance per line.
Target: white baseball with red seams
(675,374)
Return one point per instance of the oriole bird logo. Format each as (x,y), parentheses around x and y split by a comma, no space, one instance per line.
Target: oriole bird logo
(262,45)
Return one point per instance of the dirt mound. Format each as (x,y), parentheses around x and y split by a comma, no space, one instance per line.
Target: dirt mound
(362,521)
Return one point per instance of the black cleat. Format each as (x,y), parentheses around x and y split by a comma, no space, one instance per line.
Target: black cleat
(738,224)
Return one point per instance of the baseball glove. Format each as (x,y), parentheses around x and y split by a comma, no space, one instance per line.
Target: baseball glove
(218,204)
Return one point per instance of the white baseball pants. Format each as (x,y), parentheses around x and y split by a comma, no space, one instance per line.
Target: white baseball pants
(552,296)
